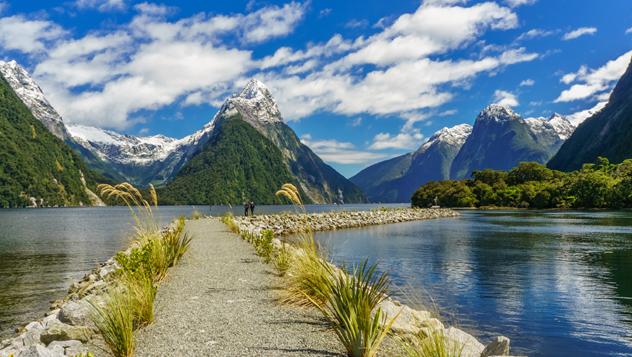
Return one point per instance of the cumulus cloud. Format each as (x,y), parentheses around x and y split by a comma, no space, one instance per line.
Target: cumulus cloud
(527,82)
(505,98)
(629,30)
(106,78)
(591,82)
(582,31)
(402,140)
(340,152)
(26,35)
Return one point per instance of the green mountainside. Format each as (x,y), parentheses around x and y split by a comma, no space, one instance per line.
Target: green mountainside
(35,163)
(607,133)
(235,165)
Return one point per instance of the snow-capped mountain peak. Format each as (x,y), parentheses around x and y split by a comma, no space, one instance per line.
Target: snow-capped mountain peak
(556,124)
(454,136)
(124,149)
(255,103)
(497,113)
(32,96)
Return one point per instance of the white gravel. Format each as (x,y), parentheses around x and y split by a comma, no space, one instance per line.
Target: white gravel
(220,301)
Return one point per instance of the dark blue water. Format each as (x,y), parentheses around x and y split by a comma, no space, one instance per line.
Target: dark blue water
(556,283)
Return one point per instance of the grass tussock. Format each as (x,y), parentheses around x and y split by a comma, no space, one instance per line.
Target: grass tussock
(282,260)
(129,303)
(434,345)
(229,219)
(352,309)
(115,322)
(196,214)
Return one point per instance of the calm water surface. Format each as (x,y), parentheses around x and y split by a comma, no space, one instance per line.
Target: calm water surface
(556,283)
(43,251)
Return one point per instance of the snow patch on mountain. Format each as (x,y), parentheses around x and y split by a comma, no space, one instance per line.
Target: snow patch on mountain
(32,96)
(556,124)
(454,136)
(255,103)
(497,113)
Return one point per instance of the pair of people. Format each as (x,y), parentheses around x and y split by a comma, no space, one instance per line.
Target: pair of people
(249,206)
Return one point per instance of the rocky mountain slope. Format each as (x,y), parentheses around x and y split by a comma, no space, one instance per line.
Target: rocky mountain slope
(245,152)
(38,169)
(607,133)
(33,97)
(501,139)
(395,180)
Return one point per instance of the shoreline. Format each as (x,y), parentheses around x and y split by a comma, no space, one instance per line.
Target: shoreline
(408,321)
(66,329)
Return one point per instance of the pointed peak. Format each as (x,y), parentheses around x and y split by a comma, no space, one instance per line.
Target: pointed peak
(255,103)
(253,89)
(497,113)
(455,135)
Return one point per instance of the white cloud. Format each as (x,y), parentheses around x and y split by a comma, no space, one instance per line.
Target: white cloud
(535,33)
(403,140)
(340,152)
(593,82)
(579,32)
(101,5)
(516,3)
(28,36)
(527,82)
(629,30)
(106,78)
(505,98)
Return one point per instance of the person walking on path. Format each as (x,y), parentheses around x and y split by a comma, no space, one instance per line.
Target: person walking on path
(246,207)
(252,208)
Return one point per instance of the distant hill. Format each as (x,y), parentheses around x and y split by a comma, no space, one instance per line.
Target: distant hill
(37,168)
(608,133)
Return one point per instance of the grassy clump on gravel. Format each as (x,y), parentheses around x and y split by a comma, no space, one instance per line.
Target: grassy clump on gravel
(129,302)
(348,301)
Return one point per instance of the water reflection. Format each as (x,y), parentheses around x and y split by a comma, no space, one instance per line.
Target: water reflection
(555,282)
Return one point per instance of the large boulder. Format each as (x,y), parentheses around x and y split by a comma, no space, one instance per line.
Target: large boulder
(76,313)
(65,332)
(409,321)
(469,345)
(498,347)
(37,351)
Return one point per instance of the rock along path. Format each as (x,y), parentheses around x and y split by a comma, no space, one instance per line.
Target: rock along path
(220,301)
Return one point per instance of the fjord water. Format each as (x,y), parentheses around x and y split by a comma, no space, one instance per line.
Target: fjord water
(556,283)
(43,251)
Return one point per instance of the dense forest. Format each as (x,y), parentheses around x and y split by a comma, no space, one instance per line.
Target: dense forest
(37,167)
(531,185)
(237,164)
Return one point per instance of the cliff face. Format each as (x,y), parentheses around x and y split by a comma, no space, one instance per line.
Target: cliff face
(607,133)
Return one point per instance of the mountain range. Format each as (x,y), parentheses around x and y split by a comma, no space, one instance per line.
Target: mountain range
(246,151)
(499,139)
(174,163)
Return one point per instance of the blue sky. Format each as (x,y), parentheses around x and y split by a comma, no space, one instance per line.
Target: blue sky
(358,81)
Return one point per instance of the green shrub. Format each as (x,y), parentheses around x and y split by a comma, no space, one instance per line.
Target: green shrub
(263,245)
(196,214)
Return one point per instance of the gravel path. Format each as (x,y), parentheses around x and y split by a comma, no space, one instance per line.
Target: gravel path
(219,301)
